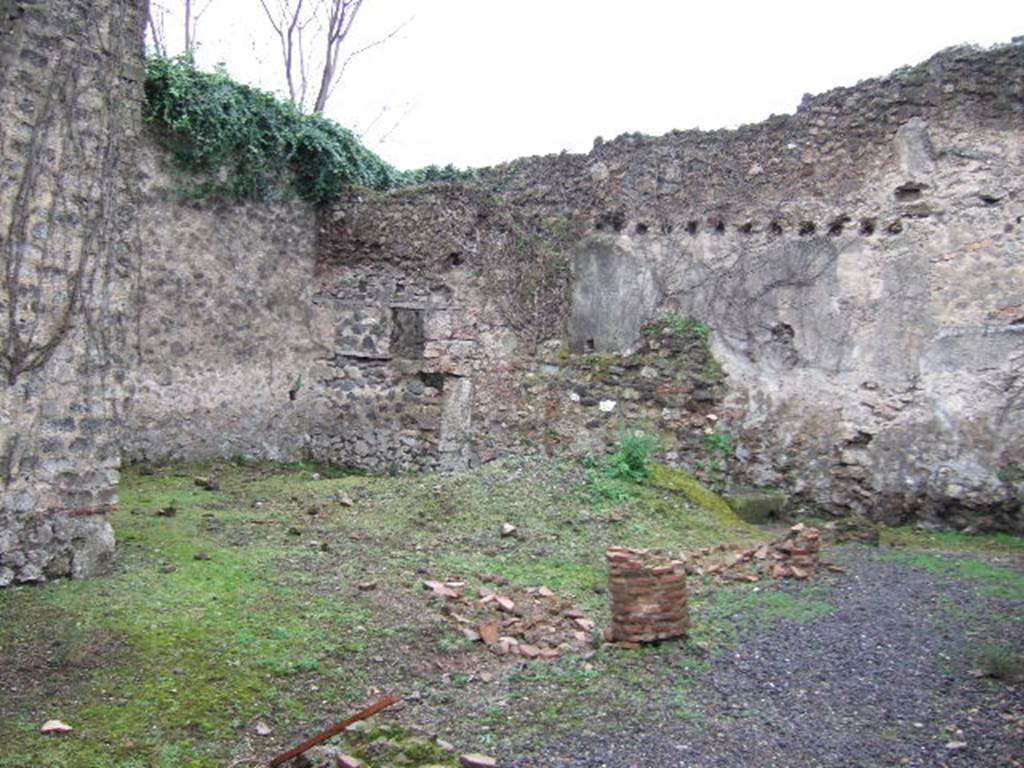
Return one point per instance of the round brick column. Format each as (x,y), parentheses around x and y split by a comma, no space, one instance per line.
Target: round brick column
(648,594)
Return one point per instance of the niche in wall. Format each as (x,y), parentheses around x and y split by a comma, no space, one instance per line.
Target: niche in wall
(407,338)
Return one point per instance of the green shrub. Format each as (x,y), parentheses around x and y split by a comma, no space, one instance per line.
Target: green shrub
(632,459)
(613,476)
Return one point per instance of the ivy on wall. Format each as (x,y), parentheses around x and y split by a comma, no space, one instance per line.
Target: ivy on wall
(235,141)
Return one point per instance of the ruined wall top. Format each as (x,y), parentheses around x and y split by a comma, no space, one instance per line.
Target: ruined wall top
(826,149)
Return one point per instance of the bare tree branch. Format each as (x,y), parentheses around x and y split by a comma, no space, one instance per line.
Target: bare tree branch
(192,23)
(337,78)
(361,132)
(401,119)
(156,29)
(339,22)
(311,36)
(289,23)
(189,26)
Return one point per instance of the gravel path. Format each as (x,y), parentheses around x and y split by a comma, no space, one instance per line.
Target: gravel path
(883,681)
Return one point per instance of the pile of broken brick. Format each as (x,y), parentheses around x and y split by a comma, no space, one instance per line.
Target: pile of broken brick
(530,623)
(648,598)
(795,556)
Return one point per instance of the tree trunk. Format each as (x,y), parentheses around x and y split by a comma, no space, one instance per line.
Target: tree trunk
(70,95)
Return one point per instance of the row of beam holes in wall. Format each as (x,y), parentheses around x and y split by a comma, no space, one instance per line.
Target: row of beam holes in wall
(776,227)
(905,193)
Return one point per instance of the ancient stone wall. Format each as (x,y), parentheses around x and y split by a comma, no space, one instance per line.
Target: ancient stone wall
(226,337)
(70,90)
(858,262)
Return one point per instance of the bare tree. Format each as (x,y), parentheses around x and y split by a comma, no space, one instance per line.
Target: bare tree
(312,35)
(156,29)
(192,16)
(156,25)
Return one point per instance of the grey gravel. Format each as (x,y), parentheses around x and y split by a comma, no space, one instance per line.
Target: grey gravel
(885,680)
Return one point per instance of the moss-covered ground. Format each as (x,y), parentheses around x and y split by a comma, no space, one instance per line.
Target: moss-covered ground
(239,608)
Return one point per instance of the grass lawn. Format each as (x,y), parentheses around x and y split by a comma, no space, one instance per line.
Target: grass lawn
(239,607)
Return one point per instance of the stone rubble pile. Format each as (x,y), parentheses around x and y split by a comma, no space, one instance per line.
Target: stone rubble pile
(795,556)
(530,623)
(648,596)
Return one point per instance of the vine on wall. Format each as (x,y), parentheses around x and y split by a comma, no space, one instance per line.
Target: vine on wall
(530,272)
(242,143)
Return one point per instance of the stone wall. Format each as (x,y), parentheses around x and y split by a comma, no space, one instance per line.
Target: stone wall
(226,337)
(859,263)
(70,90)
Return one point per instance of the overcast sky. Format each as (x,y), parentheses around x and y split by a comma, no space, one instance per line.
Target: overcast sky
(477,82)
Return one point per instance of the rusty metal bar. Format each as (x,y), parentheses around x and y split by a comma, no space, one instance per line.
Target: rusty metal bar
(334,730)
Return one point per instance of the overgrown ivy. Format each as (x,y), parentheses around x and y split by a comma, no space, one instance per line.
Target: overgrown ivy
(239,142)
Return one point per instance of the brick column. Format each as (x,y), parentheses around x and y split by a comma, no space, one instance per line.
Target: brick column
(648,594)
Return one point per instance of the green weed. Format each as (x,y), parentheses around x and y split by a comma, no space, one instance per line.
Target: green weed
(680,327)
(1000,662)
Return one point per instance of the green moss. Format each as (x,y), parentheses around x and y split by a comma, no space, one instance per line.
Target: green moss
(688,485)
(393,745)
(757,506)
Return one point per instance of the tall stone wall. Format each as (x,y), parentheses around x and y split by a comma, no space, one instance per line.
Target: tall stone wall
(70,90)
(226,336)
(859,263)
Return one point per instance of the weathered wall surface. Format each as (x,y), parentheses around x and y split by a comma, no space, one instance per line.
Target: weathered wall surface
(859,262)
(226,335)
(70,90)
(436,366)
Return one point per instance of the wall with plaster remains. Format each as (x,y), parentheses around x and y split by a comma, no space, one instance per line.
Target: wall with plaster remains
(859,262)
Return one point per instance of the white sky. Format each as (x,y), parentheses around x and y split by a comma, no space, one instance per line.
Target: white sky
(477,82)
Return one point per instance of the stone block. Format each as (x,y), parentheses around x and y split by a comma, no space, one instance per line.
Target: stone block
(758,507)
